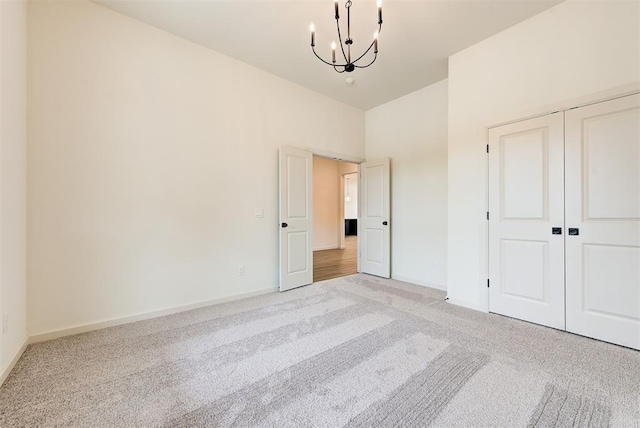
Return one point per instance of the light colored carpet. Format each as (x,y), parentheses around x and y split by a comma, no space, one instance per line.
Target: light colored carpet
(357,351)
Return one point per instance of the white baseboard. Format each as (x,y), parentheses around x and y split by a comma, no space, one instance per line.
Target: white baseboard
(419,282)
(4,374)
(464,304)
(55,334)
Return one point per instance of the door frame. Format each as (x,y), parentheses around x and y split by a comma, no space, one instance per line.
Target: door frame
(483,224)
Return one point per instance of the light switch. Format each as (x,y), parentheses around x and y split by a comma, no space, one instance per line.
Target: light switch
(258,213)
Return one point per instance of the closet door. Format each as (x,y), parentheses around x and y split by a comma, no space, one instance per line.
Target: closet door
(603,212)
(526,225)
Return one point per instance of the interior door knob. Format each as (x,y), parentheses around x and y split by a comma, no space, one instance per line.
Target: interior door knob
(384,223)
(284,225)
(556,230)
(574,231)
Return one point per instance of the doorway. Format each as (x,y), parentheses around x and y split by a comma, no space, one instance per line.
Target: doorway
(296,201)
(335,218)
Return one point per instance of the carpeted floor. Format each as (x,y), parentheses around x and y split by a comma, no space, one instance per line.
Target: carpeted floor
(356,351)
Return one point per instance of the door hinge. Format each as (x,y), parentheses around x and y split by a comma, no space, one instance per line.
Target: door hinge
(487,148)
(487,215)
(487,282)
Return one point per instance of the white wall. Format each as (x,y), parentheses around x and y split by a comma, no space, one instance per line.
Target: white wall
(147,157)
(568,52)
(412,131)
(13,146)
(351,189)
(326,199)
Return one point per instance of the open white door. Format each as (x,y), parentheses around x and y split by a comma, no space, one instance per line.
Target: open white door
(374,226)
(526,221)
(296,218)
(603,217)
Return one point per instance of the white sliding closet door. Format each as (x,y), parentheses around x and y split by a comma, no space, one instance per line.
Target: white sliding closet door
(603,212)
(526,203)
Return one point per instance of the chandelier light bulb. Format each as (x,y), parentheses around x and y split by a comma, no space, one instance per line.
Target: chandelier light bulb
(312,28)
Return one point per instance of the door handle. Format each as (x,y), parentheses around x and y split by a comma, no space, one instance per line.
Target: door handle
(556,230)
(384,223)
(574,231)
(284,225)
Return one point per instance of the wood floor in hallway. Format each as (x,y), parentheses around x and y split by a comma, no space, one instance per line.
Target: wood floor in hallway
(329,264)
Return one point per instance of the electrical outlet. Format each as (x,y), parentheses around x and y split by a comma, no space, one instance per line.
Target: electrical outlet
(258,213)
(5,323)
(240,270)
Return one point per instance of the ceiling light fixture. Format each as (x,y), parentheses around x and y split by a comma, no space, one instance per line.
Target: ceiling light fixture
(349,65)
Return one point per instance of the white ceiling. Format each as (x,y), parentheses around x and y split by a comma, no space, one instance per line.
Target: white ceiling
(417,37)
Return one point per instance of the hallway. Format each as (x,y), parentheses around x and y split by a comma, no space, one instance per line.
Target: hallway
(329,264)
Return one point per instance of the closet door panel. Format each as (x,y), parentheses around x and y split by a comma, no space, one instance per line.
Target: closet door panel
(603,206)
(526,201)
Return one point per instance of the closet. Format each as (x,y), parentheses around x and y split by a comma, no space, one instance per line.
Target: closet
(564,220)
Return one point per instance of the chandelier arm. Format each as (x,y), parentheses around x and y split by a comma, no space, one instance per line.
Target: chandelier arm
(365,66)
(370,46)
(365,52)
(320,58)
(340,40)
(335,67)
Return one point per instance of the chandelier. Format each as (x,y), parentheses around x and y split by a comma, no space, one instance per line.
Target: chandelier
(349,64)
